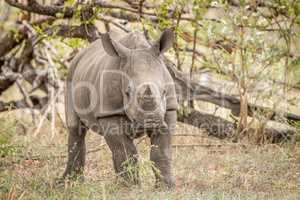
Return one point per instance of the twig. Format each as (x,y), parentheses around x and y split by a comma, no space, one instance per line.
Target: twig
(113,23)
(190,135)
(53,76)
(44,116)
(209,145)
(38,157)
(27,99)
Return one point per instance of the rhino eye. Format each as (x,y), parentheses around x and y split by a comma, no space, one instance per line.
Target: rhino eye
(128,91)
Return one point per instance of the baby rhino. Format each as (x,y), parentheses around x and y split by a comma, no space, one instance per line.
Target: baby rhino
(122,90)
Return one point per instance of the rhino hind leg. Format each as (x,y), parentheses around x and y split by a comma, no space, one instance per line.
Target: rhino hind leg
(161,150)
(125,157)
(76,152)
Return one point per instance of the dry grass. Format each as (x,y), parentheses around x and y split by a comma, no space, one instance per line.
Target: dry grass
(211,169)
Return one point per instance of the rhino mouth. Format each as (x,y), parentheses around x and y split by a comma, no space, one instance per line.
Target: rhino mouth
(149,124)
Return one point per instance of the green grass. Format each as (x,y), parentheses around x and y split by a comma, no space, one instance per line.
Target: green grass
(207,171)
(7,130)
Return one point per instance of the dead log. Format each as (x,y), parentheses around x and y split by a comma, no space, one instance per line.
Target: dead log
(222,128)
(187,89)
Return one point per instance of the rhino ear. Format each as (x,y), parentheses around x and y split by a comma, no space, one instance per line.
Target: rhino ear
(113,48)
(164,43)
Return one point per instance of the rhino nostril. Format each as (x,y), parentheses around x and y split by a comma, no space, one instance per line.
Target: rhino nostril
(148,91)
(148,99)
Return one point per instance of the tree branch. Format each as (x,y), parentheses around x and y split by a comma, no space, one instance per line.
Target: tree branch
(84,31)
(34,7)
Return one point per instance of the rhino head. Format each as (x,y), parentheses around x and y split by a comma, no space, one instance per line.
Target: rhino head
(144,88)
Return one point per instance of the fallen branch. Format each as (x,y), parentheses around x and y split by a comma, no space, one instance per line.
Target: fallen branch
(221,128)
(187,89)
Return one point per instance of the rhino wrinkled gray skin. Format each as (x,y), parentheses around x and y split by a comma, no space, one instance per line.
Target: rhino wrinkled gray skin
(122,90)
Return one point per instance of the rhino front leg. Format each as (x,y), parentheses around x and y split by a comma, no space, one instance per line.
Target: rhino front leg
(125,157)
(76,152)
(124,152)
(161,152)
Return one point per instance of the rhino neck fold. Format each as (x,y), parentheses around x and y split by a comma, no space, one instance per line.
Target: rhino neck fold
(110,114)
